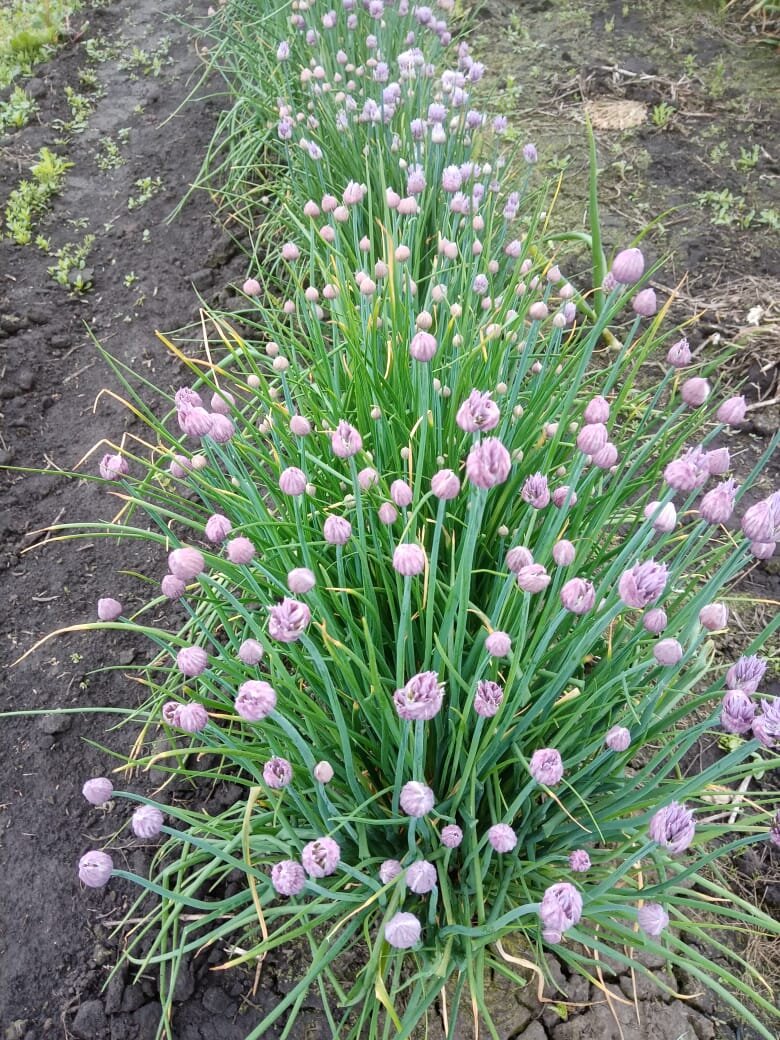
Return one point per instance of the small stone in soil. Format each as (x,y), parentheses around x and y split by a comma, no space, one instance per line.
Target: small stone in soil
(127,657)
(218,1002)
(54,724)
(90,1022)
(25,378)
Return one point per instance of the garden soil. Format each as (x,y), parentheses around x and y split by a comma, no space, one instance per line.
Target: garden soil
(57,942)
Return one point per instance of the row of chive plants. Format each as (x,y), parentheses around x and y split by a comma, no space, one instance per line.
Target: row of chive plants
(445,578)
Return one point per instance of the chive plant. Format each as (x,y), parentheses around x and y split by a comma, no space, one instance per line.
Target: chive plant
(443,578)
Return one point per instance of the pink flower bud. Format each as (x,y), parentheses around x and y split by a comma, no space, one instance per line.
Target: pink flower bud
(592,438)
(517,558)
(547,767)
(401,493)
(277,773)
(653,919)
(488,463)
(186,563)
(147,821)
(323,772)
(195,422)
(560,909)
(654,621)
(451,836)
(98,790)
(498,644)
(112,467)
(663,518)
(192,661)
(763,550)
(421,877)
(538,311)
(423,346)
(409,559)
(172,587)
(606,457)
(255,700)
(218,527)
(109,609)
(502,837)
(337,530)
(628,266)
(668,652)
(251,287)
(250,652)
(389,871)
(533,578)
(445,485)
(402,931)
(290,251)
(714,616)
(732,411)
(95,868)
(561,494)
(597,410)
(618,738)
(300,426)
(387,513)
(321,857)
(695,391)
(288,877)
(345,441)
(301,580)
(240,550)
(564,553)
(417,799)
(579,861)
(578,596)
(292,481)
(222,402)
(367,478)
(644,303)
(192,717)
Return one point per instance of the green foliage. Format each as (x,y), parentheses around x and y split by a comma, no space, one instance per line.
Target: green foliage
(147,188)
(70,267)
(29,30)
(662,114)
(29,200)
(17,111)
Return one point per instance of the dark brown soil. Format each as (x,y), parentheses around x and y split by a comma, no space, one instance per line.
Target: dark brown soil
(56,950)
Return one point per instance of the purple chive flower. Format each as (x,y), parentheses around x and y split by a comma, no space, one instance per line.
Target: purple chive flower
(673,827)
(714,616)
(502,837)
(488,463)
(668,652)
(592,438)
(192,661)
(718,462)
(292,481)
(732,411)
(421,699)
(746,674)
(618,738)
(337,530)
(654,621)
(487,698)
(288,620)
(561,494)
(387,513)
(277,773)
(536,491)
(717,505)
(499,644)
(423,346)
(218,527)
(222,428)
(564,553)
(652,919)
(345,441)
(95,868)
(191,717)
(367,478)
(417,799)
(172,587)
(644,303)
(300,426)
(451,836)
(421,877)
(679,354)
(255,700)
(401,493)
(147,821)
(240,550)
(186,563)
(288,877)
(596,410)
(578,596)
(606,457)
(628,266)
(579,861)
(408,559)
(403,931)
(478,413)
(529,153)
(760,522)
(560,909)
(185,397)
(689,471)
(445,485)
(766,725)
(250,652)
(98,790)
(737,712)
(108,609)
(113,466)
(195,422)
(642,584)
(321,857)
(695,391)
(389,871)
(533,578)
(547,767)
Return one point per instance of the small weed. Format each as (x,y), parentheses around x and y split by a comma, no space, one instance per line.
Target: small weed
(109,156)
(100,49)
(559,164)
(70,267)
(771,218)
(748,159)
(17,111)
(30,197)
(148,62)
(717,79)
(728,210)
(130,279)
(718,152)
(663,114)
(147,187)
(689,65)
(29,31)
(81,108)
